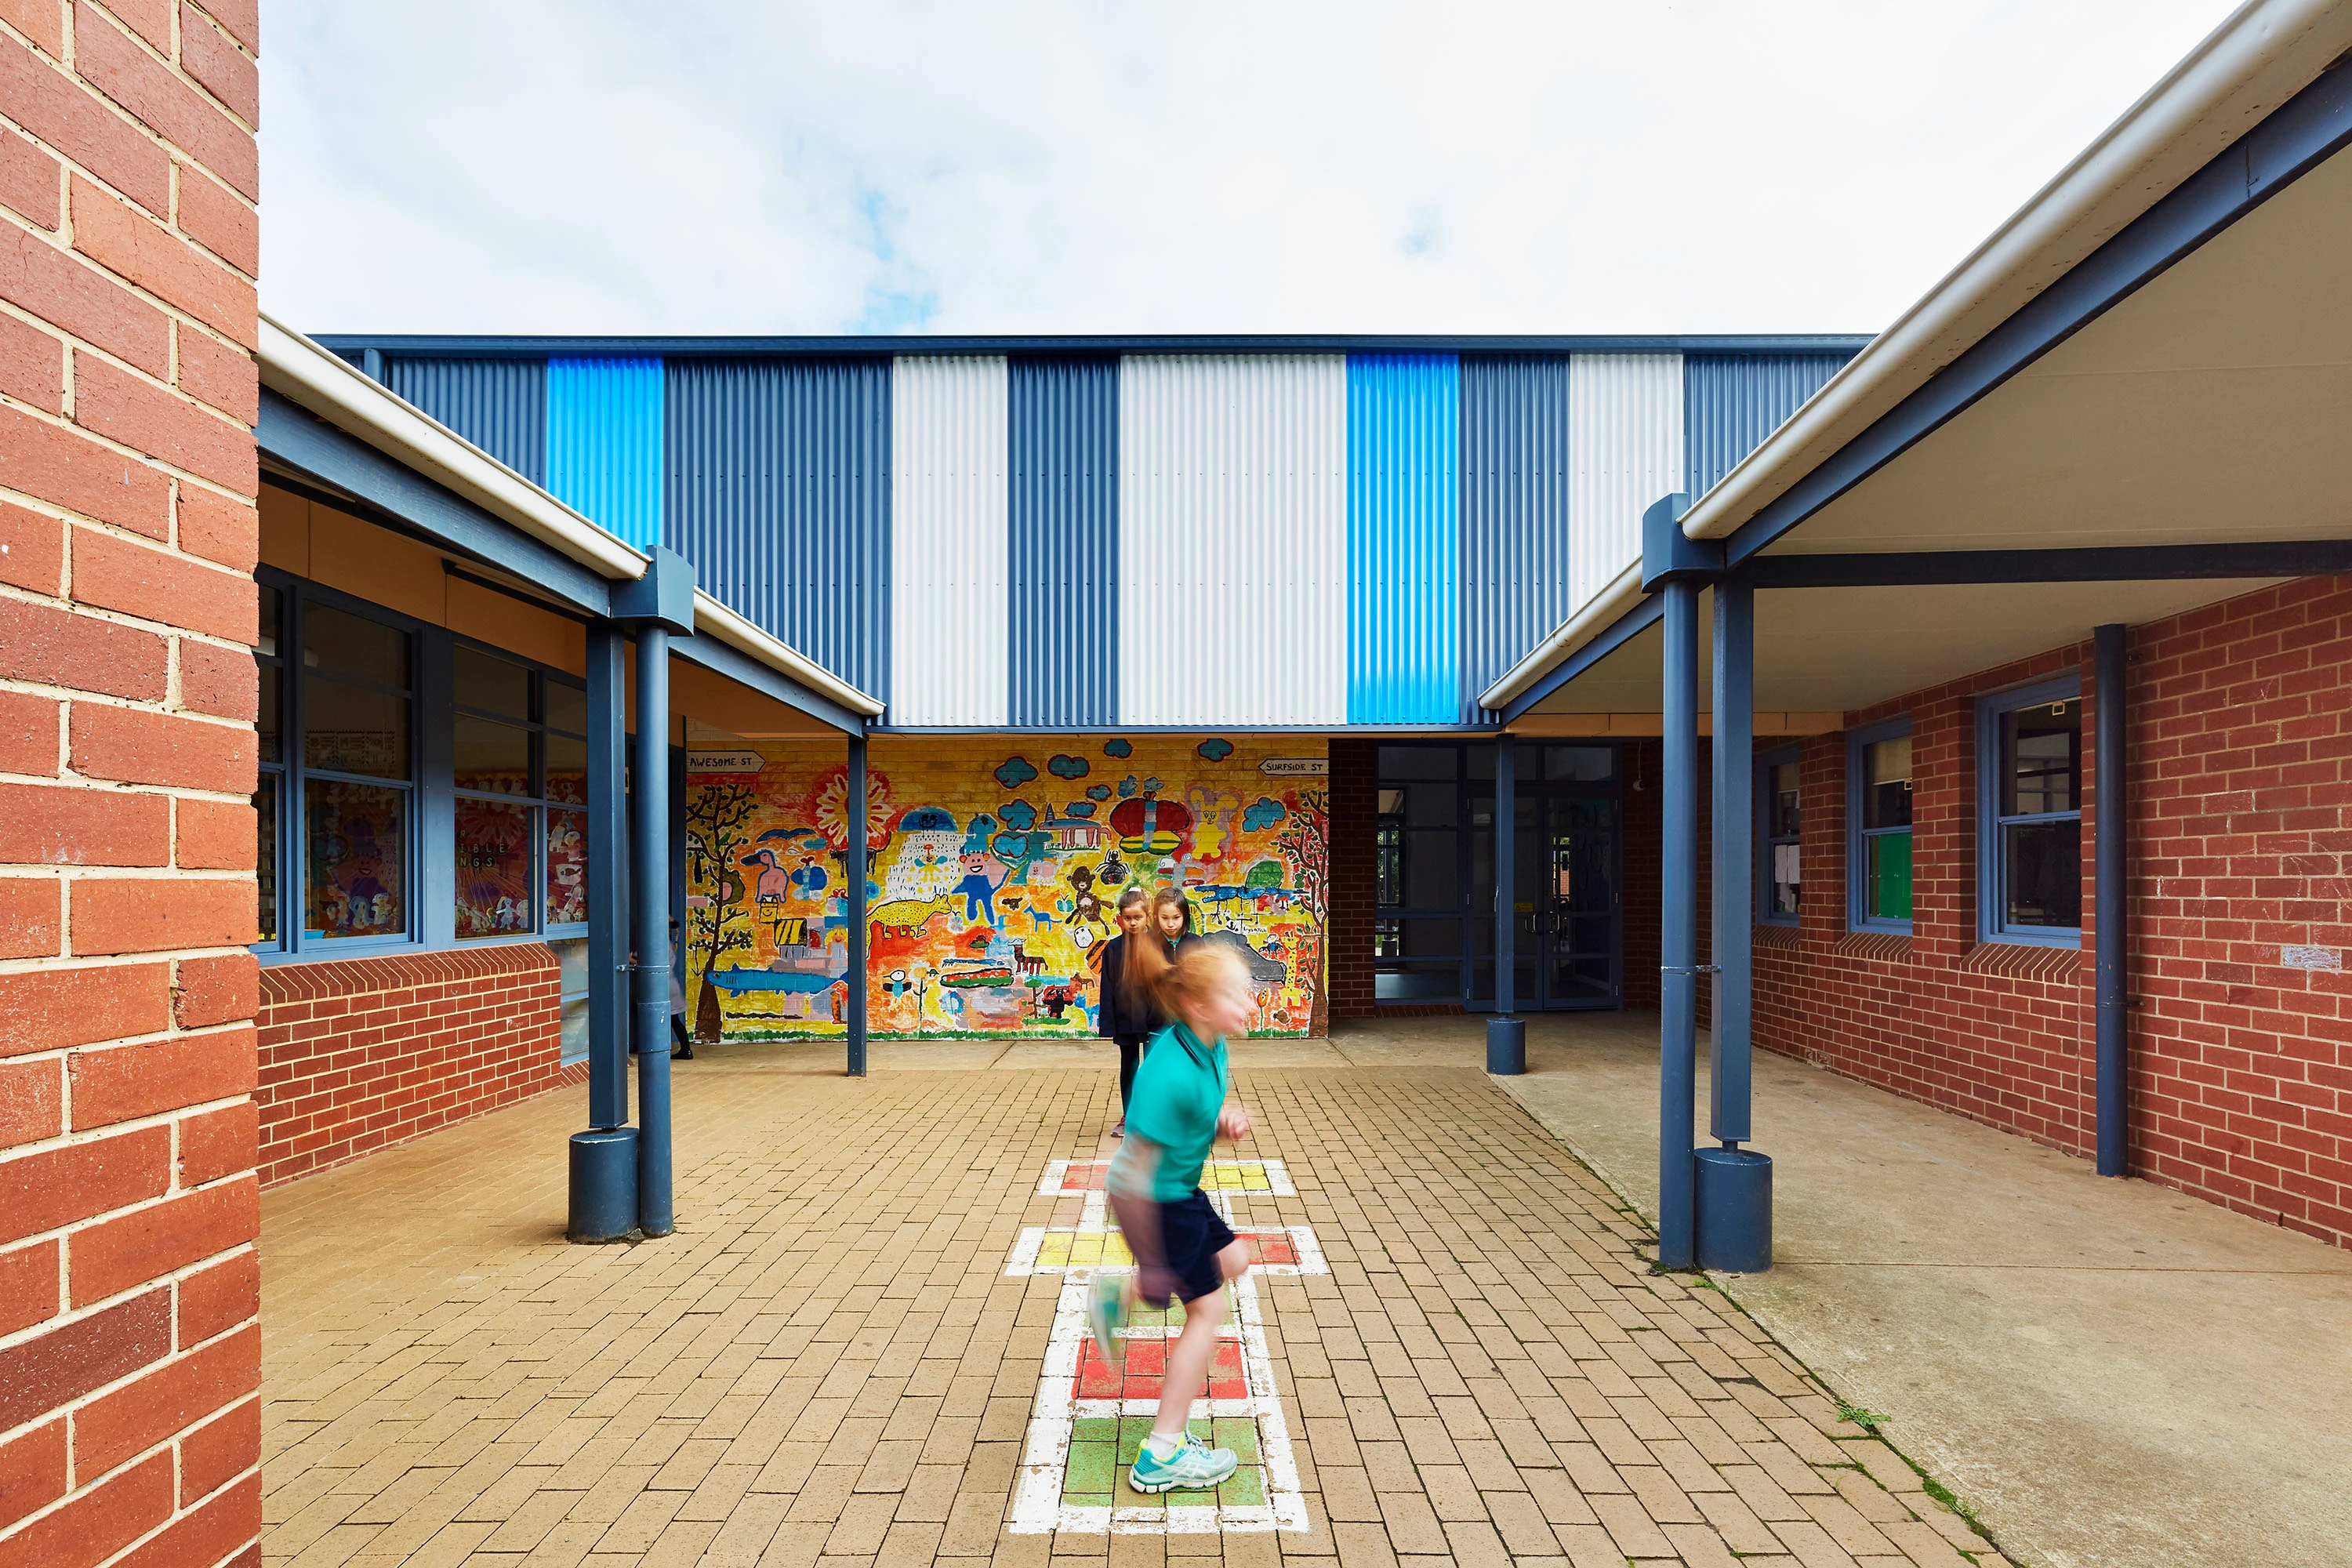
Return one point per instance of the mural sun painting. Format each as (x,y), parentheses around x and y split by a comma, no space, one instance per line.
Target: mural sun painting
(993,880)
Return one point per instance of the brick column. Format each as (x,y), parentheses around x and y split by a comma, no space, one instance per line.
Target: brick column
(1355,818)
(130,1350)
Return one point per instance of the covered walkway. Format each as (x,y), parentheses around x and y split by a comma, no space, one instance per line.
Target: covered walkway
(858,1347)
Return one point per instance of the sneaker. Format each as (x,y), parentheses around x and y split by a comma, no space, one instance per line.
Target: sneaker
(1106,1314)
(1120,1131)
(1194,1466)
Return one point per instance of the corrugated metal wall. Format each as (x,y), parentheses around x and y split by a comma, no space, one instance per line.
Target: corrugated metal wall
(1063,536)
(1625,450)
(498,404)
(948,544)
(605,442)
(1404,541)
(1731,402)
(1233,538)
(1516,479)
(778,491)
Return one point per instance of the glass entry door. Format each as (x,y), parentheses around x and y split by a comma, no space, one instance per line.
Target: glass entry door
(1567,877)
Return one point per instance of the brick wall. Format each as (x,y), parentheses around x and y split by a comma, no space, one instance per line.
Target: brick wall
(1355,821)
(2240,773)
(130,1352)
(360,1053)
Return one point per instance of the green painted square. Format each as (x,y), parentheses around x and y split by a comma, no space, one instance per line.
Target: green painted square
(1085,1499)
(1238,1433)
(1245,1487)
(1132,1431)
(1096,1429)
(1184,1499)
(1092,1468)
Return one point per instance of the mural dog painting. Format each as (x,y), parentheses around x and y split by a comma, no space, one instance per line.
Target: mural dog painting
(987,882)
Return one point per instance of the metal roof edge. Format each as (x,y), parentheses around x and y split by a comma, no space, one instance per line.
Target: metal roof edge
(462,345)
(2251,66)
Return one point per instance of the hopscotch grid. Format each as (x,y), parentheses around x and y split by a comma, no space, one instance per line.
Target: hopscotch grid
(1038,1508)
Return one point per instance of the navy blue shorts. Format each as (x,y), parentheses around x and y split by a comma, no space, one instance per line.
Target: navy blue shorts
(1193,1233)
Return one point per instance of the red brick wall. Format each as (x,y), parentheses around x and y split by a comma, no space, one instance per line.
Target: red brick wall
(1355,820)
(361,1054)
(2240,773)
(130,1353)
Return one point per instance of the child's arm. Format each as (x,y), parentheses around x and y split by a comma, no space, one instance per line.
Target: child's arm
(1234,1120)
(1130,1184)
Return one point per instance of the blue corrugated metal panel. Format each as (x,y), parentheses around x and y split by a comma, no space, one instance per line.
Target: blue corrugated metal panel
(498,404)
(1731,402)
(1517,475)
(605,443)
(779,492)
(1404,546)
(1064,542)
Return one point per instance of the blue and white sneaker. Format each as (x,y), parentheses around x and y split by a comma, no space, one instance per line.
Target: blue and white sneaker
(1106,1314)
(1194,1466)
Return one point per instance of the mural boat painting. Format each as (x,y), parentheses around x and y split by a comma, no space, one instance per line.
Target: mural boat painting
(742,980)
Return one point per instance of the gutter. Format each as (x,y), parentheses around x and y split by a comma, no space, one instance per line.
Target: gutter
(2265,53)
(298,369)
(1599,612)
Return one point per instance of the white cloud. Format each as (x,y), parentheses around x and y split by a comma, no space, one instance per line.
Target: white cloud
(530,166)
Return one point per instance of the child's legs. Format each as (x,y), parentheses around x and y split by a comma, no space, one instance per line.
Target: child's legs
(1130,1052)
(1188,1363)
(1189,1357)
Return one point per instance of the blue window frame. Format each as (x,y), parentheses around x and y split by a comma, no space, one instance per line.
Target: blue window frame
(2029,814)
(1878,827)
(1779,863)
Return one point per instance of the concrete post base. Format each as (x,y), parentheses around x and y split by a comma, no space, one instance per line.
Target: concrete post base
(1735,1210)
(1506,1046)
(604,1184)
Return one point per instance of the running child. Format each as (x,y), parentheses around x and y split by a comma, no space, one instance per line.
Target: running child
(1182,1247)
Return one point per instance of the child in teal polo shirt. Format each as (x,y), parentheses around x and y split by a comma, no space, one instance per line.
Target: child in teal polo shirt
(1182,1246)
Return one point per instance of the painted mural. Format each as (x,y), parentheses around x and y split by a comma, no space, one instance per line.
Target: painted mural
(992,876)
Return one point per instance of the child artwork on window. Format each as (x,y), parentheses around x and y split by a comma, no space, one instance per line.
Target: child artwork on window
(494,866)
(356,860)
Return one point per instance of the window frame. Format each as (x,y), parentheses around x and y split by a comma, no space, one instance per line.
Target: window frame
(293,943)
(538,803)
(1991,893)
(1766,763)
(1858,864)
(1392,918)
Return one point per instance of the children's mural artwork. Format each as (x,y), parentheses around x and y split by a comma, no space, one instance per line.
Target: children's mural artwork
(993,874)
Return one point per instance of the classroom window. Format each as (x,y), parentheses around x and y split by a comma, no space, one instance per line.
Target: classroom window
(520,776)
(1418,875)
(1778,864)
(1878,835)
(2030,800)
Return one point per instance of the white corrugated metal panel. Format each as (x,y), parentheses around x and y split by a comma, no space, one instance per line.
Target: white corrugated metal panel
(1232,565)
(1625,450)
(948,541)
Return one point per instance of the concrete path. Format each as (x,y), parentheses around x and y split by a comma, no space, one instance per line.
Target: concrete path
(2109,1373)
(861,1348)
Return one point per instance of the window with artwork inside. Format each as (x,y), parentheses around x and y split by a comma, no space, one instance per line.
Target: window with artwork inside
(1878,833)
(2029,800)
(519,770)
(1778,863)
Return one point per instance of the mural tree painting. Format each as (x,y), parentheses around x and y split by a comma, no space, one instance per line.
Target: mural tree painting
(718,826)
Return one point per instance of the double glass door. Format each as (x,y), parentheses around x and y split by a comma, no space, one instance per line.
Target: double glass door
(1568,877)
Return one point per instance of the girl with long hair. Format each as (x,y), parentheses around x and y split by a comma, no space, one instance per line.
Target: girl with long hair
(1182,1247)
(1124,1015)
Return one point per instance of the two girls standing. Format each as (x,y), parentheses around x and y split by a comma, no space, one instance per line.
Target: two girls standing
(1127,1014)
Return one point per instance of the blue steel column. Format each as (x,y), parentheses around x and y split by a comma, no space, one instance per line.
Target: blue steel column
(649,981)
(2111,906)
(1735,858)
(1678,928)
(853,873)
(1507,1037)
(604,1169)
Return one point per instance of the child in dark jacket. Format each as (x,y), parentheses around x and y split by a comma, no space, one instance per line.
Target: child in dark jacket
(1124,1015)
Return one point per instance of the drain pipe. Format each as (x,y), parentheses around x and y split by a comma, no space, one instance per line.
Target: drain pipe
(2111,906)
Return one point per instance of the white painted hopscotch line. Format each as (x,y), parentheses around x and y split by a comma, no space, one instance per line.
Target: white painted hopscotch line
(1069,1425)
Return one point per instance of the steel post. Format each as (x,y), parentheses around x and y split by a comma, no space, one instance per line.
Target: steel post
(2111,908)
(853,873)
(1507,1037)
(649,979)
(1733,844)
(1679,927)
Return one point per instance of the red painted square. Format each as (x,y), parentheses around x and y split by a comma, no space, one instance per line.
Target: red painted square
(1278,1247)
(1147,1363)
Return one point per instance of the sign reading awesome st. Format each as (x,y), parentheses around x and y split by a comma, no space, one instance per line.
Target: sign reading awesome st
(701,762)
(1294,767)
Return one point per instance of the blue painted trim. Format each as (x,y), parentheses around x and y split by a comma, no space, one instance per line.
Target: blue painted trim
(605,443)
(2112,917)
(1990,708)
(1765,763)
(506,347)
(2117,563)
(1619,632)
(1404,539)
(2298,135)
(1516,475)
(1340,730)
(394,496)
(1857,871)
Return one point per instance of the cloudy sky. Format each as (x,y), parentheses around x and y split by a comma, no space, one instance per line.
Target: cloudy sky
(815,166)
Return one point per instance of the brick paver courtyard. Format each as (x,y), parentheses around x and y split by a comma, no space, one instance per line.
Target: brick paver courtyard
(858,1349)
